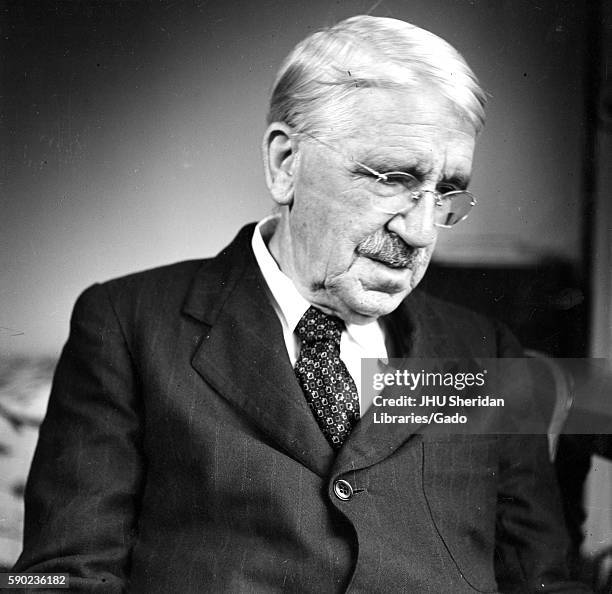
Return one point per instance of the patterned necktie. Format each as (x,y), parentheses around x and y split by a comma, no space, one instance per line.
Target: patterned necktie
(328,386)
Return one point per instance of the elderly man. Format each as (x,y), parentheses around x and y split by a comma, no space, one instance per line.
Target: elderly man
(205,432)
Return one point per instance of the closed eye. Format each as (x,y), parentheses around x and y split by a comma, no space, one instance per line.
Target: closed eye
(446,188)
(394,178)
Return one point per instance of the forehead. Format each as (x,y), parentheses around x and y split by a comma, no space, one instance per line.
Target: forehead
(407,125)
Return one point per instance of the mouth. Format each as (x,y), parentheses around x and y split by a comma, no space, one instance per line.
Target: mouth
(388,249)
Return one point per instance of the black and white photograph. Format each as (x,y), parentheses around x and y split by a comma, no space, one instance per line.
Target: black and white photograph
(306,296)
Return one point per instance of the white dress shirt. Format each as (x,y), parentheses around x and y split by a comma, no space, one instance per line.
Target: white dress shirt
(357,341)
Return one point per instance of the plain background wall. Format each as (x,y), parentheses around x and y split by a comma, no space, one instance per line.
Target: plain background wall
(131,134)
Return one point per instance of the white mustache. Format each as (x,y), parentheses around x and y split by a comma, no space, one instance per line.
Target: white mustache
(389,249)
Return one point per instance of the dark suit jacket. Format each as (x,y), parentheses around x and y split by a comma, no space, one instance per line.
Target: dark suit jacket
(179,455)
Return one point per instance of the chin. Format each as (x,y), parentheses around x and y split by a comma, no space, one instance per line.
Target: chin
(366,306)
(368,290)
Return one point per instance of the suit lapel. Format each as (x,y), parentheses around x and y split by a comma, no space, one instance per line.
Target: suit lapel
(243,355)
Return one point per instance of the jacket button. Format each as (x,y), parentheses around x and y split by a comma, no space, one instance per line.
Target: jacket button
(343,490)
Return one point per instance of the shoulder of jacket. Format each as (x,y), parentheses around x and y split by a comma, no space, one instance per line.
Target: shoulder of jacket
(155,289)
(451,311)
(474,327)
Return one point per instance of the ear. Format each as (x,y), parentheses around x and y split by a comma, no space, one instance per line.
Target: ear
(280,158)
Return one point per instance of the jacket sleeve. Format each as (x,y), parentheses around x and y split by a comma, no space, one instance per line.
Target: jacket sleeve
(532,545)
(83,488)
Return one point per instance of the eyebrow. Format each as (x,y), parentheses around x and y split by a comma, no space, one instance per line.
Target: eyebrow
(417,168)
(385,165)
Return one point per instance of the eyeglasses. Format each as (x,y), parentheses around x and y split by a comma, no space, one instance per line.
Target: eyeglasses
(397,192)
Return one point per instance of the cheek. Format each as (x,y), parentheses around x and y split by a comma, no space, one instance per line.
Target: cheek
(329,221)
(334,224)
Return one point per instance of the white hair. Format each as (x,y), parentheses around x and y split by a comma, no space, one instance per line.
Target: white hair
(315,84)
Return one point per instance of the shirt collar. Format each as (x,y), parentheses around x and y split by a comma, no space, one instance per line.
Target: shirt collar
(288,301)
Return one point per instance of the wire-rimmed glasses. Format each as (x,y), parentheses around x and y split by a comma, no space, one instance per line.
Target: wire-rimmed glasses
(397,192)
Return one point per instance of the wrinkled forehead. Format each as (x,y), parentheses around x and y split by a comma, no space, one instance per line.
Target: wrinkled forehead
(400,124)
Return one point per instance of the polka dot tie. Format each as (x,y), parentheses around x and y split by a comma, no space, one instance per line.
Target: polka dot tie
(328,386)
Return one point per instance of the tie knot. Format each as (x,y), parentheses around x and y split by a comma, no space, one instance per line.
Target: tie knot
(316,326)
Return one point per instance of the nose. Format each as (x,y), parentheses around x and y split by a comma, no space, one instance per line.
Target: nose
(416,227)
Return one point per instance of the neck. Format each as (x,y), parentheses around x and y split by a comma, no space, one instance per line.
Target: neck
(281,248)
